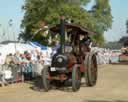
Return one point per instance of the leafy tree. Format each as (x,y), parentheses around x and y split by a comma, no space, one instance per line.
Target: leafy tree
(50,12)
(99,39)
(99,19)
(102,12)
(124,40)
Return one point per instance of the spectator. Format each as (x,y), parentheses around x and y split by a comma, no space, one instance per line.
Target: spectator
(1,59)
(16,58)
(27,55)
(9,59)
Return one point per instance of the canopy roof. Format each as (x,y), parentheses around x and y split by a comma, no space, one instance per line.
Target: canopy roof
(71,28)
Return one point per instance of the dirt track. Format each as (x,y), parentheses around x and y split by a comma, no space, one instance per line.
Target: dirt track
(112,86)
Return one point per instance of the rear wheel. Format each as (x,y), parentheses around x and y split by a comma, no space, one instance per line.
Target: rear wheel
(91,71)
(76,78)
(45,80)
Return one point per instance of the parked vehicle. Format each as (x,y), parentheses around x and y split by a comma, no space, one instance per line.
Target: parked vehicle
(116,52)
(115,56)
(124,55)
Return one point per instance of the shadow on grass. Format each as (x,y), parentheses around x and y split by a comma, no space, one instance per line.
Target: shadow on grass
(66,88)
(38,86)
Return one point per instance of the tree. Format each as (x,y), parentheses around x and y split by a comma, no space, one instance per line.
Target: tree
(124,39)
(46,10)
(102,13)
(50,11)
(98,20)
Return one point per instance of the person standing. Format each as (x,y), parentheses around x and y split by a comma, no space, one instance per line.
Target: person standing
(1,59)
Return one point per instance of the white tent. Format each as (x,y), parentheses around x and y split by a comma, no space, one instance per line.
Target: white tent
(13,47)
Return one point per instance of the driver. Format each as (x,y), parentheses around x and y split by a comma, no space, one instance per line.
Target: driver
(86,43)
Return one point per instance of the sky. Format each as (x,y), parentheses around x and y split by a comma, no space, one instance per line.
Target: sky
(12,10)
(120,15)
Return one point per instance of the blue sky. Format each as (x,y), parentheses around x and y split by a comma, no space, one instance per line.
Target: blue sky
(12,10)
(120,15)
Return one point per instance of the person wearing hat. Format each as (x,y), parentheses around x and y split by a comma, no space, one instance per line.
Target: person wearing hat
(86,44)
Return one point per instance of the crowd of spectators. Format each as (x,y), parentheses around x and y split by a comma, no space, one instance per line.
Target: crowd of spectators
(26,65)
(33,56)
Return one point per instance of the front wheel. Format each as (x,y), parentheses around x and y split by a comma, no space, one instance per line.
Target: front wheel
(76,78)
(45,80)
